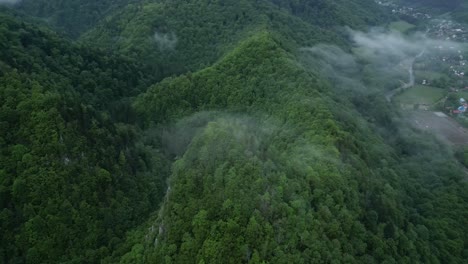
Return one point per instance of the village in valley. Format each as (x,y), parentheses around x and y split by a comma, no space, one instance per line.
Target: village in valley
(440,75)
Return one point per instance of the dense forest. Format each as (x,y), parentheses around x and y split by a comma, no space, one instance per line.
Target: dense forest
(71,17)
(74,175)
(139,131)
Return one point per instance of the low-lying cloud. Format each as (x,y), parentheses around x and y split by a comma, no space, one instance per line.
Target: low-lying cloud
(340,67)
(378,60)
(395,45)
(165,41)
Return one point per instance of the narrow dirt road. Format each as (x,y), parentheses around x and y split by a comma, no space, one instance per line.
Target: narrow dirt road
(389,95)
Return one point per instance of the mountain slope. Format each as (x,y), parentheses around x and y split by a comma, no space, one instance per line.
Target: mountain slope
(281,175)
(183,36)
(72,179)
(266,160)
(176,36)
(72,17)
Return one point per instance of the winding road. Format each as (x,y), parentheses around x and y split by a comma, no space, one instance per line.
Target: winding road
(411,82)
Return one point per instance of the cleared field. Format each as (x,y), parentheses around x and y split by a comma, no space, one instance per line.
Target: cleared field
(401,26)
(420,94)
(440,125)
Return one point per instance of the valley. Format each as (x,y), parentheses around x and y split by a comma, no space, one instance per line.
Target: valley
(436,74)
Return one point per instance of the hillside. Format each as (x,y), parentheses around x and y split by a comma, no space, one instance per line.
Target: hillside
(276,174)
(217,132)
(74,178)
(182,36)
(71,17)
(175,36)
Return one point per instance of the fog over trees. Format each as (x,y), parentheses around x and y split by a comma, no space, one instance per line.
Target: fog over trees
(138,131)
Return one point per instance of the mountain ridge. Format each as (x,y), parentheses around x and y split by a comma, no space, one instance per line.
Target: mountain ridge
(224,143)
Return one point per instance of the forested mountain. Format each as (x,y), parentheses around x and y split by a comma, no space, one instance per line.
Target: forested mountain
(283,177)
(183,35)
(178,36)
(72,17)
(201,132)
(73,179)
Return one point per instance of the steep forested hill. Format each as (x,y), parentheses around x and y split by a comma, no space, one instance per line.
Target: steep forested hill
(283,176)
(177,36)
(183,36)
(75,17)
(266,160)
(72,179)
(72,17)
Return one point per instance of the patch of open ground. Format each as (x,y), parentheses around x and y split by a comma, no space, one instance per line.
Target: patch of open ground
(420,94)
(401,26)
(440,125)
